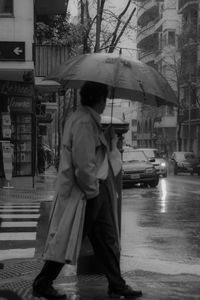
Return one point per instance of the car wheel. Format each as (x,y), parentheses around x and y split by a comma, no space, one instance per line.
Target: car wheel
(154,183)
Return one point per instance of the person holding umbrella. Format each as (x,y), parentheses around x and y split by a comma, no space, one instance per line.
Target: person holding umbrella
(85,201)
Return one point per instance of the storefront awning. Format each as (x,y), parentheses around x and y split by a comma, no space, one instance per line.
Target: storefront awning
(15,71)
(50,7)
(46,86)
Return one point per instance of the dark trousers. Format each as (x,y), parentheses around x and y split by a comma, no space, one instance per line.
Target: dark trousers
(99,227)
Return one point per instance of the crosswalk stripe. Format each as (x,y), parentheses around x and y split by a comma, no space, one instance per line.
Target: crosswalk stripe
(19,206)
(19,216)
(5,224)
(18,226)
(18,210)
(17,253)
(17,236)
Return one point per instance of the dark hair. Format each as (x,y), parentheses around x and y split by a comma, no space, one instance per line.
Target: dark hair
(92,92)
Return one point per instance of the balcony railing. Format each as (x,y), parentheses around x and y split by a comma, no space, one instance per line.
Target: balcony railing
(48,57)
(183,3)
(194,114)
(146,56)
(146,6)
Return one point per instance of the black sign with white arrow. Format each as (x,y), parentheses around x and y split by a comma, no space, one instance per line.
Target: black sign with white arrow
(12,51)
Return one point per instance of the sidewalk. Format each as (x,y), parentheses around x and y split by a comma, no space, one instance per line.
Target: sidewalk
(17,275)
(43,190)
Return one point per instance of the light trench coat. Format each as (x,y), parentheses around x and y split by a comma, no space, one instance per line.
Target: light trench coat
(84,149)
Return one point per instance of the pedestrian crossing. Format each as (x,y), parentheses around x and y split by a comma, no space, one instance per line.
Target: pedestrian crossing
(18,229)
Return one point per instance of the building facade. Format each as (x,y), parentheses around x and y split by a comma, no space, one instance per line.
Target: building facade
(19,87)
(189,41)
(158,27)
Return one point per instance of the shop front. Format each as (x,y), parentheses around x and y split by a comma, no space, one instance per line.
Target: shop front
(17,134)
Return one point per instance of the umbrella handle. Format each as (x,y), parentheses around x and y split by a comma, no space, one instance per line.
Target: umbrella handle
(111,118)
(112,98)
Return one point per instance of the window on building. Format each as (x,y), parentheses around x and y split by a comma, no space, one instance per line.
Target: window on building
(134,135)
(134,122)
(138,128)
(164,39)
(160,40)
(145,127)
(171,38)
(171,4)
(170,110)
(6,7)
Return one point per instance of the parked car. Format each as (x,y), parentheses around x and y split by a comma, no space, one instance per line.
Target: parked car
(157,160)
(185,162)
(136,168)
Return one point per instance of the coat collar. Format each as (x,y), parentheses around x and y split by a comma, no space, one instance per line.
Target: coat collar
(93,113)
(97,118)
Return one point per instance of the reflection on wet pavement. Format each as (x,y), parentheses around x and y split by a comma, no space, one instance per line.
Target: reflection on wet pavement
(161,227)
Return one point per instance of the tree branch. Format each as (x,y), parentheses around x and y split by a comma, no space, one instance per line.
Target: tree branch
(113,42)
(124,27)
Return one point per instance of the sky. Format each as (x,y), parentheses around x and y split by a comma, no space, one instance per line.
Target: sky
(126,42)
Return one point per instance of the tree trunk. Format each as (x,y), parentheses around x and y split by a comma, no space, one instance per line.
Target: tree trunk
(98,28)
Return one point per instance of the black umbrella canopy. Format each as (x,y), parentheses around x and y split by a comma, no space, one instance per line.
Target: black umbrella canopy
(127,78)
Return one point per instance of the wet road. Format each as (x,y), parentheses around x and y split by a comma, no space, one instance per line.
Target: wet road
(161,226)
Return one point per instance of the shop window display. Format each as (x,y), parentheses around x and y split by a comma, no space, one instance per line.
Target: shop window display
(17,123)
(22,140)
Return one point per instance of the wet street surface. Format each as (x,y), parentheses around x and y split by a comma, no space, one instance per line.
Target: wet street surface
(160,240)
(161,226)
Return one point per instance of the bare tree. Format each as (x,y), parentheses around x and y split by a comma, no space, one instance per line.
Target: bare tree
(102,27)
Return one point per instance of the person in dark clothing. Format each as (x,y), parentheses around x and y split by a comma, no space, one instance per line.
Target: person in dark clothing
(85,170)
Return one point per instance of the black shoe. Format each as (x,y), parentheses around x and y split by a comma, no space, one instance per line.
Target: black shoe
(126,293)
(48,292)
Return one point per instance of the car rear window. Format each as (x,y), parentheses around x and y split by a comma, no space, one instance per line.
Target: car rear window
(152,153)
(134,156)
(189,156)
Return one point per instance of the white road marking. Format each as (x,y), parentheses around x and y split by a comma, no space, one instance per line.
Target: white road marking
(19,206)
(19,216)
(17,236)
(17,253)
(18,210)
(25,215)
(5,224)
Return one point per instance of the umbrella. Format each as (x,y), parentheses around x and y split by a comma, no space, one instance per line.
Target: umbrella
(127,78)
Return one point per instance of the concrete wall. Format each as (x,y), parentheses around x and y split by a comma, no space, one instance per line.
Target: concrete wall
(20,27)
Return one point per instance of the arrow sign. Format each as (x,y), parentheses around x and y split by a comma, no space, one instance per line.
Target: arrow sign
(17,51)
(12,51)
